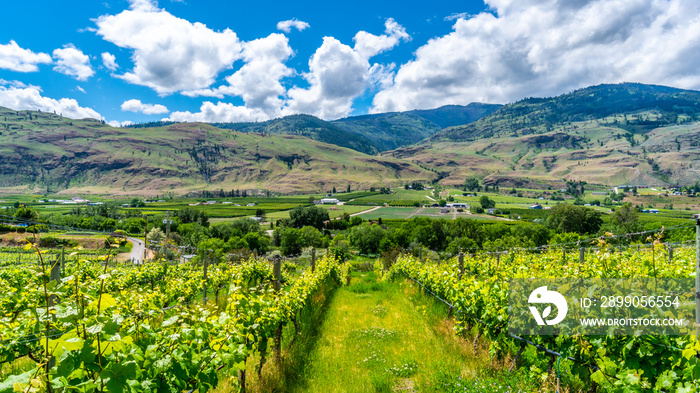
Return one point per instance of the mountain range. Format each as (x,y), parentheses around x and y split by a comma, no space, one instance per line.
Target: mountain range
(607,134)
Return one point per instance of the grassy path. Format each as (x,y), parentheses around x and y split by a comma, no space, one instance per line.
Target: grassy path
(387,337)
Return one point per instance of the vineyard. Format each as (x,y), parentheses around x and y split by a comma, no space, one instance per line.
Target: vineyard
(12,256)
(71,322)
(478,295)
(161,327)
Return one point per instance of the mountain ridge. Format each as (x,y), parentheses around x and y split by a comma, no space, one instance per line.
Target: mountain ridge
(605,134)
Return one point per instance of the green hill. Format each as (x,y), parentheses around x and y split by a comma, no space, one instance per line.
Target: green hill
(369,134)
(307,126)
(389,131)
(534,115)
(455,115)
(607,134)
(42,151)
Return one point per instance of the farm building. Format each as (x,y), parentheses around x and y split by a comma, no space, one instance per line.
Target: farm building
(329,201)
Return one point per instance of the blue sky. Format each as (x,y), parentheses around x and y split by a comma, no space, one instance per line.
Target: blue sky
(141,60)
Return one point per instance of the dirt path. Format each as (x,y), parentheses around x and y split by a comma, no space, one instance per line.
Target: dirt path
(366,211)
(417,211)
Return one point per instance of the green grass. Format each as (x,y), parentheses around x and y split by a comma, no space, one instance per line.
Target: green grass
(387,337)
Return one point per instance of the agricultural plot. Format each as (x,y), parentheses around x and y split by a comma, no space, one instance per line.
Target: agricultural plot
(478,293)
(114,326)
(411,212)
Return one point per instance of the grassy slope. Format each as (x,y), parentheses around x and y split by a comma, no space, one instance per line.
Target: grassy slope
(85,156)
(596,151)
(310,127)
(607,134)
(392,130)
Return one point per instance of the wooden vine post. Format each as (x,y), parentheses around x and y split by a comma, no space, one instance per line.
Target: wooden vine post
(145,244)
(697,277)
(460,260)
(205,279)
(63,259)
(277,271)
(55,276)
(313,260)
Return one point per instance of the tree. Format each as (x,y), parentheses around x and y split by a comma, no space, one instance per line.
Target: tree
(257,242)
(626,219)
(486,202)
(155,235)
(291,241)
(210,249)
(442,203)
(367,238)
(189,215)
(26,213)
(471,184)
(133,225)
(310,237)
(239,227)
(302,216)
(417,186)
(348,190)
(569,218)
(137,203)
(192,233)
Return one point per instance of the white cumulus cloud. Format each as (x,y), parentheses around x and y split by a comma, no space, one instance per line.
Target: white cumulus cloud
(548,47)
(109,61)
(369,45)
(258,81)
(170,54)
(73,62)
(147,109)
(220,112)
(287,25)
(117,123)
(30,98)
(15,58)
(338,74)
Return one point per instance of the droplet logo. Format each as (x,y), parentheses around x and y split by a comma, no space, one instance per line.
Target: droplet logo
(542,296)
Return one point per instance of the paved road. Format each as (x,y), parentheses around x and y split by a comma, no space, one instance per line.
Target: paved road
(136,255)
